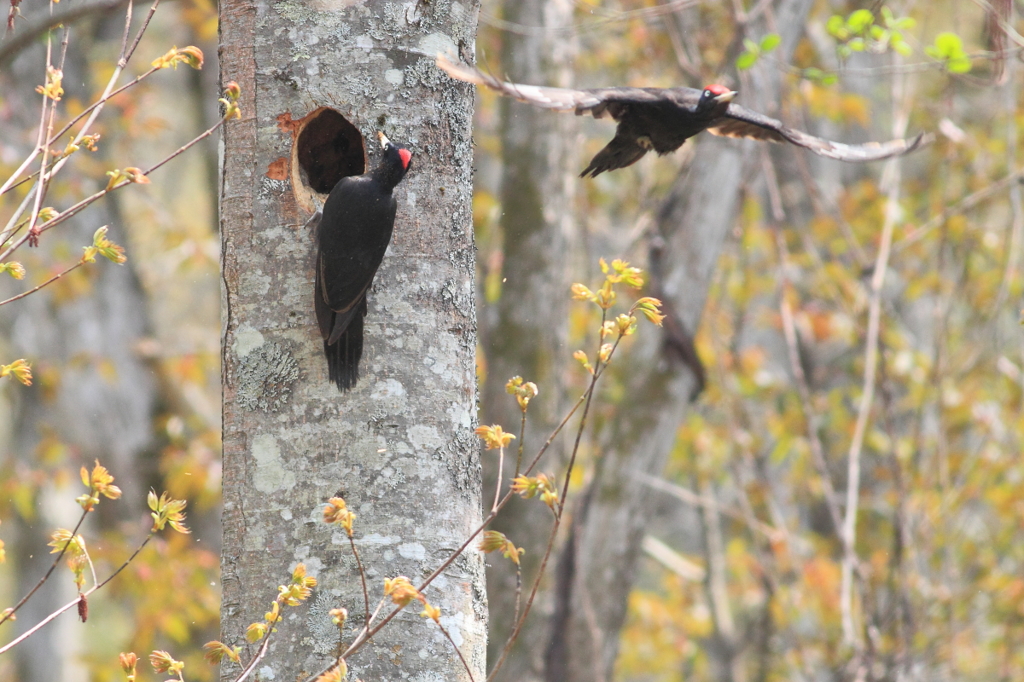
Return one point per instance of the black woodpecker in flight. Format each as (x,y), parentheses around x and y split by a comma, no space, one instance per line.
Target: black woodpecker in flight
(661,119)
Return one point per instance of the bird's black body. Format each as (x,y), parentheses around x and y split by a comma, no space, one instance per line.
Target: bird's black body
(661,119)
(355,230)
(651,120)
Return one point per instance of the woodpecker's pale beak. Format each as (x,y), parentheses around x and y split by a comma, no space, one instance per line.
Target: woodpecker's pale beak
(384,141)
(726,96)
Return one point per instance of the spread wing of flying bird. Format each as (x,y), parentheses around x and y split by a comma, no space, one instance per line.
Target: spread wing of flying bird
(661,119)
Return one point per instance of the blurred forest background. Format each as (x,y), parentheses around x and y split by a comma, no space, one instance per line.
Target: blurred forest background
(859,326)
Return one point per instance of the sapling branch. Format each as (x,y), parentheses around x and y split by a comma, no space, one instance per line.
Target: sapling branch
(625,325)
(166,510)
(364,635)
(74,604)
(8,613)
(51,92)
(51,95)
(501,467)
(458,653)
(496,438)
(294,593)
(367,633)
(101,246)
(95,112)
(260,653)
(53,139)
(27,178)
(521,619)
(84,203)
(362,579)
(519,453)
(37,288)
(100,102)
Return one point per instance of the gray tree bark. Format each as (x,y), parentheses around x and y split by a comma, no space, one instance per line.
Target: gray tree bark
(525,330)
(608,531)
(400,446)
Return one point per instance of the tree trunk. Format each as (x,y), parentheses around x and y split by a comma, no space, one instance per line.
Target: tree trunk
(608,530)
(399,447)
(525,330)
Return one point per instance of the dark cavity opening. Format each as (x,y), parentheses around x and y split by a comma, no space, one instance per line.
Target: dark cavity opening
(329,149)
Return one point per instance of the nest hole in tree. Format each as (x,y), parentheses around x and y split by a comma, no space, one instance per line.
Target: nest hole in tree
(328,148)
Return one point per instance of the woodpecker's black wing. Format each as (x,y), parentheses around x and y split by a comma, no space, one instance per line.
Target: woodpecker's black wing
(742,122)
(333,322)
(343,354)
(622,151)
(597,101)
(358,219)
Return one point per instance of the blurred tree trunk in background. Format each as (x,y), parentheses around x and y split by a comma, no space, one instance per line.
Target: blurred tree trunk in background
(611,518)
(94,394)
(103,400)
(524,331)
(399,446)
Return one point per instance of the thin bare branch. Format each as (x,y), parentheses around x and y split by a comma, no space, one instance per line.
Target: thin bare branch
(35,289)
(461,657)
(891,179)
(497,485)
(362,579)
(697,500)
(73,604)
(30,34)
(803,390)
(716,584)
(965,204)
(56,562)
(127,54)
(1011,268)
(260,653)
(84,203)
(519,591)
(94,113)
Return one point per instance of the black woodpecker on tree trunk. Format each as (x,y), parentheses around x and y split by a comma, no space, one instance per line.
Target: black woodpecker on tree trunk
(355,230)
(661,119)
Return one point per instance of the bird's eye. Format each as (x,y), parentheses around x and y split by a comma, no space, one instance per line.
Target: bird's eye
(708,93)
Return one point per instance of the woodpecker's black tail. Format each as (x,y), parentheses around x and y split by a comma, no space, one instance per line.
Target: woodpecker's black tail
(343,356)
